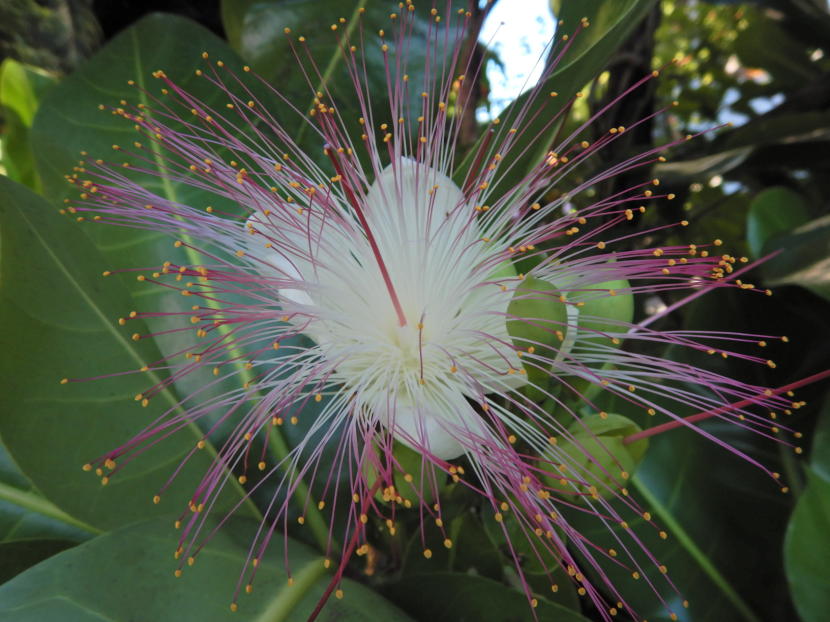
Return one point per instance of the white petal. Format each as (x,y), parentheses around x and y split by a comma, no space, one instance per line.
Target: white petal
(445,426)
(414,198)
(274,264)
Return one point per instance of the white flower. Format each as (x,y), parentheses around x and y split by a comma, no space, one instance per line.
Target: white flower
(415,377)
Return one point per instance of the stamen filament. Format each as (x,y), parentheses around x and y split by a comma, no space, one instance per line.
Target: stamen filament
(671,425)
(396,303)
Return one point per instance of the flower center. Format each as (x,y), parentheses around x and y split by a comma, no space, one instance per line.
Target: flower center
(407,340)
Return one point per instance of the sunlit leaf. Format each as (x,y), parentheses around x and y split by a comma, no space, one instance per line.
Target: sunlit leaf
(21,88)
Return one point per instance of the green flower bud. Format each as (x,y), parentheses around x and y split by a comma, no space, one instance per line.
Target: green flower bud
(538,324)
(605,308)
(505,270)
(595,462)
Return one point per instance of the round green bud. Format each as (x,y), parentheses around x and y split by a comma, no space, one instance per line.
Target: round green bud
(538,325)
(505,270)
(593,461)
(605,307)
(604,311)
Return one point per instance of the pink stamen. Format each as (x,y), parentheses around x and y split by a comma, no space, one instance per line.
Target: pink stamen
(722,410)
(369,237)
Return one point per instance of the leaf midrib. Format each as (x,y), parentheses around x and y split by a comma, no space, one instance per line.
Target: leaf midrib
(275,438)
(35,503)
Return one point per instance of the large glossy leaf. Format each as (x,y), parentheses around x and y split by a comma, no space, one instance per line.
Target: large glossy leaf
(611,23)
(805,551)
(808,533)
(804,259)
(60,316)
(31,528)
(456,597)
(256,30)
(702,495)
(128,575)
(724,518)
(69,121)
(18,555)
(695,495)
(773,211)
(26,515)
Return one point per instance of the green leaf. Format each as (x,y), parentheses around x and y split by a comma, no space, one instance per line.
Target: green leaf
(688,489)
(537,315)
(773,211)
(722,516)
(127,575)
(804,258)
(256,31)
(675,172)
(69,121)
(611,24)
(597,457)
(456,597)
(18,555)
(26,515)
(808,534)
(805,551)
(63,313)
(21,88)
(31,528)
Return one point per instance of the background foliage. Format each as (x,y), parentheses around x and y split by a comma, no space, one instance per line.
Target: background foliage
(738,549)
